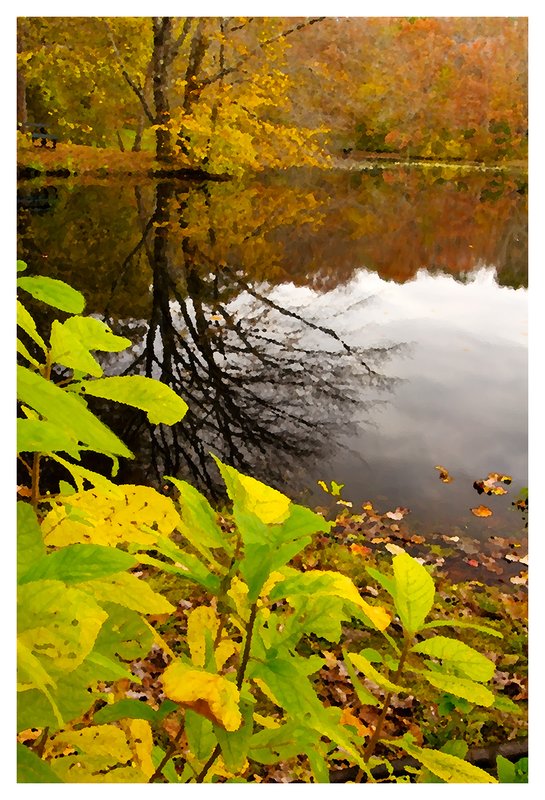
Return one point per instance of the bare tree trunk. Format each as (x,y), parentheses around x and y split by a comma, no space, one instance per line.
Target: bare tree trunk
(162,33)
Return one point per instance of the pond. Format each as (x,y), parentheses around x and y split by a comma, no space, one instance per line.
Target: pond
(359,326)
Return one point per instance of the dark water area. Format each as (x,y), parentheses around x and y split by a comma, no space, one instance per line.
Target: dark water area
(361,327)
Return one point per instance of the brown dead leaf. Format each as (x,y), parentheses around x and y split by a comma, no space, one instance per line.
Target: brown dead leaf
(444,474)
(471,562)
(481,511)
(349,718)
(24,491)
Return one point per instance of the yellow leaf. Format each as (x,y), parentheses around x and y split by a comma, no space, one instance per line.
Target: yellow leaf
(140,740)
(213,696)
(238,592)
(271,506)
(110,518)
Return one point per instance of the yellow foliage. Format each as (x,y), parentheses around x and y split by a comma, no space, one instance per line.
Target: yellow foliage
(97,517)
(270,505)
(140,740)
(213,696)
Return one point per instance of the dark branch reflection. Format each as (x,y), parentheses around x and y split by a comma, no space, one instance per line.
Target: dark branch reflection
(268,386)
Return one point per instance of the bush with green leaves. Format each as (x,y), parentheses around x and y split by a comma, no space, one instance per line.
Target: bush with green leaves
(238,688)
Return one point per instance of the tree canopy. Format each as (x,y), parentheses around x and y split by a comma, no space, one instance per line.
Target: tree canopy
(232,93)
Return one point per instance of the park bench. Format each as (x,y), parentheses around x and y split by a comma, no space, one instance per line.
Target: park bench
(39,135)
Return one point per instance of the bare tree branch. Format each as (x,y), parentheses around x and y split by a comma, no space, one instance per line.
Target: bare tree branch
(284,34)
(134,86)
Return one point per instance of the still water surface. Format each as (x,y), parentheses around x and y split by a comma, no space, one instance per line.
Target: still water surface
(357,327)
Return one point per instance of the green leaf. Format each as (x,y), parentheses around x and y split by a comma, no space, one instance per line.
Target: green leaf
(461,687)
(80,562)
(58,624)
(21,265)
(41,436)
(365,666)
(124,634)
(53,292)
(188,567)
(32,769)
(30,544)
(235,744)
(365,697)
(71,342)
(316,583)
(385,581)
(125,708)
(458,656)
(129,591)
(506,705)
(82,475)
(22,350)
(107,668)
(456,623)
(25,321)
(199,524)
(506,770)
(200,735)
(271,745)
(158,400)
(447,767)
(414,592)
(65,410)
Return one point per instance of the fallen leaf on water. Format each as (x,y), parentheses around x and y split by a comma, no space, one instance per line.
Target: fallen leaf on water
(481,511)
(472,562)
(398,514)
(520,579)
(444,474)
(497,476)
(416,539)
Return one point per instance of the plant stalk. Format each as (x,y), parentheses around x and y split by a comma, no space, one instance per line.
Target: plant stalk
(372,743)
(240,680)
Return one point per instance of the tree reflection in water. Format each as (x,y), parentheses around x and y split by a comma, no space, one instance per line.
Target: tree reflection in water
(267,384)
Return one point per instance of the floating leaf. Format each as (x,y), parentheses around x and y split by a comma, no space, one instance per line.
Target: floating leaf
(213,696)
(53,292)
(481,511)
(444,474)
(159,401)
